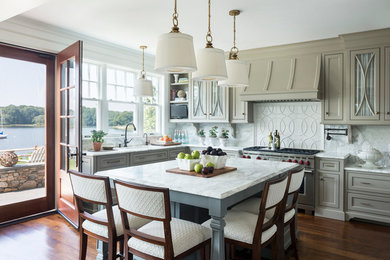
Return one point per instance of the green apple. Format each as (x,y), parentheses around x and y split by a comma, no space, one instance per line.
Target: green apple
(210,164)
(198,167)
(195,154)
(180,156)
(188,156)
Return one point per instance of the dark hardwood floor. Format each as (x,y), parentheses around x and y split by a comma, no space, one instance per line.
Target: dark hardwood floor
(51,237)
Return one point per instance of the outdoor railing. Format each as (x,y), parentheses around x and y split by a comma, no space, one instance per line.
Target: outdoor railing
(24,157)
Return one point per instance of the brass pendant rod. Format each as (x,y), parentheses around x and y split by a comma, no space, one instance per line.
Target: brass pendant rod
(209,38)
(175,21)
(143,61)
(234,50)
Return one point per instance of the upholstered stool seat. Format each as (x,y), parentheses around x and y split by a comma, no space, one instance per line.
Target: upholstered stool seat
(185,235)
(240,226)
(102,230)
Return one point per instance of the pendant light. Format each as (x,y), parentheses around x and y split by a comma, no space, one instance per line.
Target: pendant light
(143,87)
(175,50)
(211,61)
(237,70)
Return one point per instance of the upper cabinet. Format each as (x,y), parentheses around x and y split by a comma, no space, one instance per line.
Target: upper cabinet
(333,88)
(240,111)
(210,102)
(365,84)
(387,84)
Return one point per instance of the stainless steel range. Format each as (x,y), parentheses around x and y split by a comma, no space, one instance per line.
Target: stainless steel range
(300,156)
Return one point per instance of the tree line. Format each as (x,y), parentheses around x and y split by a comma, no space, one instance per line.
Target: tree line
(32,115)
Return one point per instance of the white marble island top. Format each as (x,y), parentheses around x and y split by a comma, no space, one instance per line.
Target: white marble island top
(248,174)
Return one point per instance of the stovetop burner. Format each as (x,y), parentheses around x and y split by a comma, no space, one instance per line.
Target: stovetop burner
(283,150)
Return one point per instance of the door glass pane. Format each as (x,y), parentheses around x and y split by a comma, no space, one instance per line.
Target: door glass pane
(72,163)
(22,128)
(216,100)
(72,131)
(63,131)
(63,103)
(72,72)
(365,83)
(64,73)
(72,101)
(62,154)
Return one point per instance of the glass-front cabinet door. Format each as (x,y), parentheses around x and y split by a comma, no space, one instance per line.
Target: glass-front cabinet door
(199,100)
(218,102)
(387,84)
(365,82)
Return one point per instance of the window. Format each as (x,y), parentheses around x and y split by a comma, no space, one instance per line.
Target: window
(109,102)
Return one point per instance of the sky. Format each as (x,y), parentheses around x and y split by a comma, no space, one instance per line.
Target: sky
(22,83)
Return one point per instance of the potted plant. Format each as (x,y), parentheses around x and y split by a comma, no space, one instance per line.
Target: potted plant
(223,139)
(97,139)
(213,136)
(202,136)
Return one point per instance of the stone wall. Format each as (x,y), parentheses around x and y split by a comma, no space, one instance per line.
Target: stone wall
(22,177)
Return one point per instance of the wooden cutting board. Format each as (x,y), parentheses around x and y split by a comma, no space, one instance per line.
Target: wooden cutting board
(165,144)
(193,173)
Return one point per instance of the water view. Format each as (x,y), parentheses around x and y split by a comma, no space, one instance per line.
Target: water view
(22,137)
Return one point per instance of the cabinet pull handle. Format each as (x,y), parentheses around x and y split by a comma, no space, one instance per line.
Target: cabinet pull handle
(365,204)
(210,114)
(205,114)
(365,183)
(116,161)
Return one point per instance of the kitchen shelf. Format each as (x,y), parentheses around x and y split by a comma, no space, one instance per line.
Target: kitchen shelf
(178,102)
(179,84)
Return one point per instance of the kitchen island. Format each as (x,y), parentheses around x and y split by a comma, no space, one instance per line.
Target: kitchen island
(216,194)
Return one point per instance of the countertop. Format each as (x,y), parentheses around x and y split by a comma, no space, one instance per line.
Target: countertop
(359,168)
(248,174)
(333,155)
(133,148)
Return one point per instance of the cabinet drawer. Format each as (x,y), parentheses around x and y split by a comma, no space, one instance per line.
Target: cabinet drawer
(328,165)
(112,162)
(368,182)
(172,154)
(369,204)
(150,157)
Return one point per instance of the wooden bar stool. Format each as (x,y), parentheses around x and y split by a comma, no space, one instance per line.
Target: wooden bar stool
(104,225)
(255,231)
(164,237)
(252,205)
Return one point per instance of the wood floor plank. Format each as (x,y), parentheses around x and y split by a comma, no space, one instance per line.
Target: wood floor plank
(51,237)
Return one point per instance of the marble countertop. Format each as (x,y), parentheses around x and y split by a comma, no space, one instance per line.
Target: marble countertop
(228,148)
(248,174)
(355,167)
(333,155)
(130,149)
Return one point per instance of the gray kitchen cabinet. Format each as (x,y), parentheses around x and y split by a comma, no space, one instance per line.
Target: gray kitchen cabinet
(365,85)
(87,165)
(368,196)
(333,88)
(148,157)
(387,84)
(240,111)
(108,162)
(210,102)
(329,186)
(172,153)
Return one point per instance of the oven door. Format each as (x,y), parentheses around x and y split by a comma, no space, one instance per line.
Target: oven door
(306,191)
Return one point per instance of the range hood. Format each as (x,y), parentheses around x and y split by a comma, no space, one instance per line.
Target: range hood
(293,78)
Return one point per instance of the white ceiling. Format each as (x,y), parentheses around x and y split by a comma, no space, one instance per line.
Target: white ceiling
(262,22)
(10,8)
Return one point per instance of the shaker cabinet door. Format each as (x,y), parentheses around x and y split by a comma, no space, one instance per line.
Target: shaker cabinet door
(333,87)
(387,83)
(365,84)
(329,190)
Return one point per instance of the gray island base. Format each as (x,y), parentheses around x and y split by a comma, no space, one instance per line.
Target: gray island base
(215,194)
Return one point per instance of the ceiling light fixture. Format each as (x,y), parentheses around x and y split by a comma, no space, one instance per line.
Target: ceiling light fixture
(175,50)
(211,61)
(237,70)
(143,87)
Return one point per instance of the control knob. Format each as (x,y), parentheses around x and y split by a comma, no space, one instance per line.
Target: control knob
(289,160)
(295,161)
(307,163)
(258,158)
(300,162)
(248,156)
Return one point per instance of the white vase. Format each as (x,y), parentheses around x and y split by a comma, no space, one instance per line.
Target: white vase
(202,140)
(223,141)
(176,76)
(213,141)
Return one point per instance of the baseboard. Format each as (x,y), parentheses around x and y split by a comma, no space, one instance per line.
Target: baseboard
(330,213)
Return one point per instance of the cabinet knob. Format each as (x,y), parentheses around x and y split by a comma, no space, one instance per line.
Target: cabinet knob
(388,113)
(210,114)
(327,113)
(243,114)
(377,113)
(321,179)
(205,114)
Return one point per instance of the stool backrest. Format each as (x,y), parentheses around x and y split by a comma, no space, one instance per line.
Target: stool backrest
(146,202)
(295,184)
(273,199)
(96,190)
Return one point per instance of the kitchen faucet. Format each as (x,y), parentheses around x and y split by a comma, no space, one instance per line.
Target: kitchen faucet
(134,129)
(146,138)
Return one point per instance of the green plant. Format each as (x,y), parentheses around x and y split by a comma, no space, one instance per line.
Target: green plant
(225,134)
(97,136)
(213,131)
(201,133)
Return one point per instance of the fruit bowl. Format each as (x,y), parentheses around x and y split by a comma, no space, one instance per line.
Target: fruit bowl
(187,164)
(218,161)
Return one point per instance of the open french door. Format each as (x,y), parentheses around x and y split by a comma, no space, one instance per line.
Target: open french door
(69,63)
